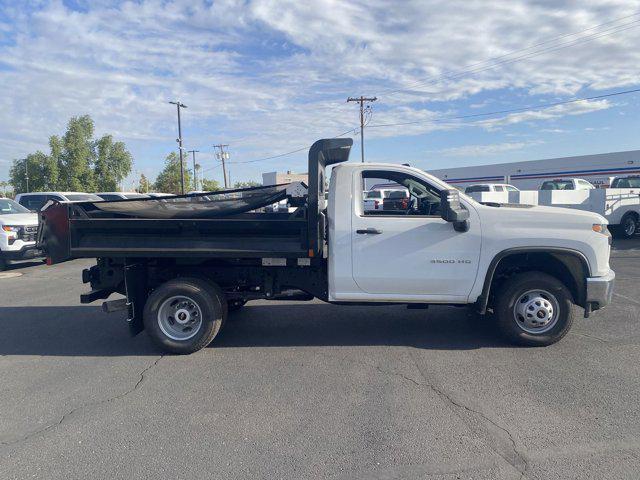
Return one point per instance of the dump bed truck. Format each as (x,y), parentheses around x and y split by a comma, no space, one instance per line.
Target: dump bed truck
(183,263)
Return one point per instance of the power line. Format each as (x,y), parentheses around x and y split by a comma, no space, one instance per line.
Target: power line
(512,110)
(473,68)
(263,159)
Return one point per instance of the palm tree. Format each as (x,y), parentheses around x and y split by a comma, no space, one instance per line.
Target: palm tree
(197,168)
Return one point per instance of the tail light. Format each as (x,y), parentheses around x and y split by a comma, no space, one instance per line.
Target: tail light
(376,203)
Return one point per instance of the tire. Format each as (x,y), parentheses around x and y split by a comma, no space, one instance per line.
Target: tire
(3,264)
(235,305)
(534,309)
(202,309)
(628,226)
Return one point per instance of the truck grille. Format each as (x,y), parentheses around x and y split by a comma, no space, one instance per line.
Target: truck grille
(28,233)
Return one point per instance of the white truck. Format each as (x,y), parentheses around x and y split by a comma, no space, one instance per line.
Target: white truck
(620,206)
(183,269)
(18,229)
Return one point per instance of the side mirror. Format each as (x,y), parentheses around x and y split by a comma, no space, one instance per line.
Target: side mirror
(453,211)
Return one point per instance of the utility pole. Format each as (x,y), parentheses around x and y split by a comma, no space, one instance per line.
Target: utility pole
(26,172)
(179,140)
(195,173)
(361,101)
(222,156)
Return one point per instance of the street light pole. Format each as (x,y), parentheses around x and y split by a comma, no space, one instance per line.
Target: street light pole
(195,173)
(179,140)
(26,172)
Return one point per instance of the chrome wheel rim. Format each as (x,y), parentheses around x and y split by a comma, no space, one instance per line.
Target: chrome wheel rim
(180,317)
(536,311)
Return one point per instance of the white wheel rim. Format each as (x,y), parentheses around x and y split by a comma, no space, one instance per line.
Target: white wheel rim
(536,311)
(180,317)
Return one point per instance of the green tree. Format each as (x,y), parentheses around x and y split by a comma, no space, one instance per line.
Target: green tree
(41,169)
(3,185)
(168,180)
(113,163)
(248,184)
(77,155)
(75,162)
(143,184)
(210,185)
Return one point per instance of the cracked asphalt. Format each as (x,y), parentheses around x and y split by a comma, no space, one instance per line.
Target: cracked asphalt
(309,390)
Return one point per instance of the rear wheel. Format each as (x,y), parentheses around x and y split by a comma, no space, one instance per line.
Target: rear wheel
(628,226)
(184,315)
(534,309)
(3,263)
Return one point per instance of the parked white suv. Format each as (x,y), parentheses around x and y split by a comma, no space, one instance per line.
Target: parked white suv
(34,201)
(490,187)
(18,230)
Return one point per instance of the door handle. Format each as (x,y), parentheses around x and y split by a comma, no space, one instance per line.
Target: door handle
(370,231)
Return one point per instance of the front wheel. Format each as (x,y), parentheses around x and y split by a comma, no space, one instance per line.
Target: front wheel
(3,264)
(534,309)
(184,315)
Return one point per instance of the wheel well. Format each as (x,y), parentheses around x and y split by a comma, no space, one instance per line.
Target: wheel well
(633,214)
(568,267)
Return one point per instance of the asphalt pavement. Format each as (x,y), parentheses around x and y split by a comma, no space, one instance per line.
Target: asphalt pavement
(298,390)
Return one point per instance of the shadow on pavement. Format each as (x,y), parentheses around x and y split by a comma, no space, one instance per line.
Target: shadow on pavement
(624,244)
(87,331)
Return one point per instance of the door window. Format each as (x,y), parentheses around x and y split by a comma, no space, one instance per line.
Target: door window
(409,196)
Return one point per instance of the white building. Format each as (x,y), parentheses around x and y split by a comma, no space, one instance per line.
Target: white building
(597,169)
(275,178)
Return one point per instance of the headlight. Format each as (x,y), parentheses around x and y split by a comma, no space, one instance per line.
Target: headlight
(601,228)
(9,228)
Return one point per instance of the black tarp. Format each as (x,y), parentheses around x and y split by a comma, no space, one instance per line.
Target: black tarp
(201,205)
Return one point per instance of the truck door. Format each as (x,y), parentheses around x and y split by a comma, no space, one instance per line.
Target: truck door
(409,251)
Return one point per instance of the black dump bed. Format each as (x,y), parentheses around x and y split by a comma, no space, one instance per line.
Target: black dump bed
(216,224)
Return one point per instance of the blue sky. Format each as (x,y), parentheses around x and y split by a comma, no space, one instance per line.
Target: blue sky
(268,77)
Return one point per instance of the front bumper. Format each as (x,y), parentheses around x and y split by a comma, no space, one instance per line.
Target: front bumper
(28,252)
(600,290)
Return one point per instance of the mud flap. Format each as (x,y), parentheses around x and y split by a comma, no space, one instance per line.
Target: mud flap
(135,280)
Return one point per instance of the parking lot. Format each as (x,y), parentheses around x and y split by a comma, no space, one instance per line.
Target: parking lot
(310,390)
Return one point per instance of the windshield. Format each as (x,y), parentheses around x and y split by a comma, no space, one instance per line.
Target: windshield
(557,185)
(477,188)
(82,197)
(626,183)
(9,207)
(374,194)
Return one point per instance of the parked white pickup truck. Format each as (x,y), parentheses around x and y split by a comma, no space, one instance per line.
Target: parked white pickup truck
(18,228)
(182,266)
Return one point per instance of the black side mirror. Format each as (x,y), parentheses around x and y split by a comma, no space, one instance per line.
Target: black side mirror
(453,211)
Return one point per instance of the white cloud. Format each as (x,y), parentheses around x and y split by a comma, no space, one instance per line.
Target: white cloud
(485,150)
(277,73)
